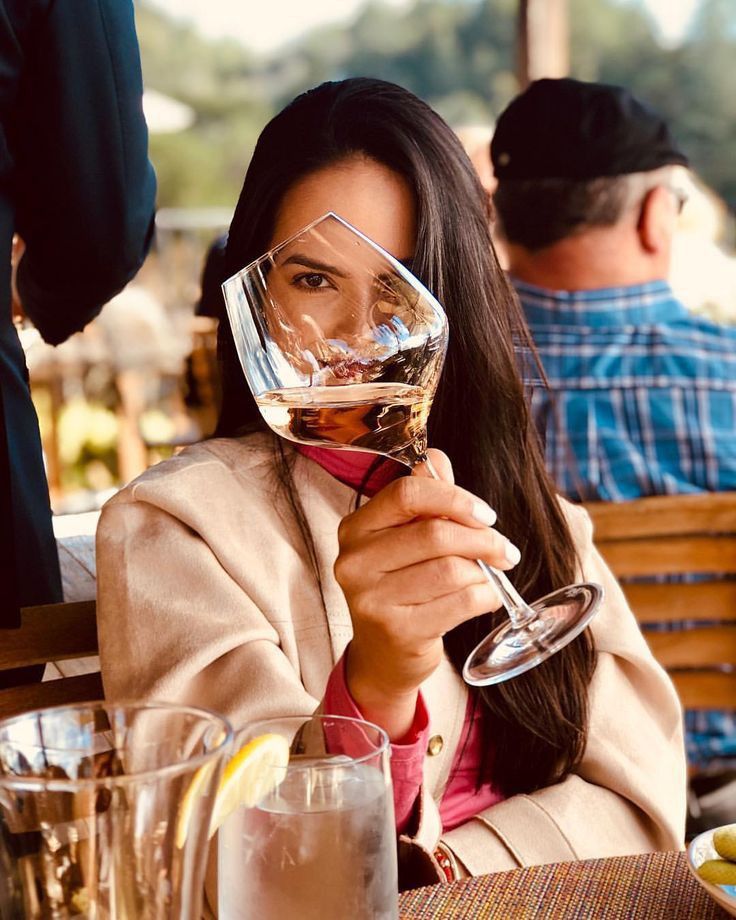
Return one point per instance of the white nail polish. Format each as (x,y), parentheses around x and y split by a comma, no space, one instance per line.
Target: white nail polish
(483,513)
(513,555)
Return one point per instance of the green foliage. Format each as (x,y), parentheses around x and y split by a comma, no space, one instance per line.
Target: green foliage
(219,80)
(456,54)
(611,41)
(693,85)
(702,98)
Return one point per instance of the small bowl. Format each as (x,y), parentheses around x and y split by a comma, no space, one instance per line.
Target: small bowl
(700,850)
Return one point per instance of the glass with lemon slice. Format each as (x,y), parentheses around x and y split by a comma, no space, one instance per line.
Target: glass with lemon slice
(306,824)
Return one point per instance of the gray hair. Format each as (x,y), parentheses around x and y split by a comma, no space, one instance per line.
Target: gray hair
(536,213)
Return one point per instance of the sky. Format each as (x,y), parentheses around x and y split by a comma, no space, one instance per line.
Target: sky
(672,16)
(264,26)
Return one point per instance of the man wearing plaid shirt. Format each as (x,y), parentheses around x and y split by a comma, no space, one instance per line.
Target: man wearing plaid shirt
(641,396)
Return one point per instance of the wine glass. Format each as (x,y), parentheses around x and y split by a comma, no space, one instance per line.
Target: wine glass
(342,346)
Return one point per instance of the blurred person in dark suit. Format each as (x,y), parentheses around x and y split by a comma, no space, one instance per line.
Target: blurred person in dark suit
(77,187)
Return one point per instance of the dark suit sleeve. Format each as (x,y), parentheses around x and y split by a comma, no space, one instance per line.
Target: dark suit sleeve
(86,189)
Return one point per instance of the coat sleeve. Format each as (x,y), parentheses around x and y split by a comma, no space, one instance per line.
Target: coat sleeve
(628,794)
(85,186)
(173,625)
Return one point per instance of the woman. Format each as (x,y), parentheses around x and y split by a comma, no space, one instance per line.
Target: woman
(250,576)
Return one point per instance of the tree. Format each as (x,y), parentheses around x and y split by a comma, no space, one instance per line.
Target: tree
(459,55)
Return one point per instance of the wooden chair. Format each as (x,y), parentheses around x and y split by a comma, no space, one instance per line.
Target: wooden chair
(50,633)
(670,535)
(205,370)
(205,373)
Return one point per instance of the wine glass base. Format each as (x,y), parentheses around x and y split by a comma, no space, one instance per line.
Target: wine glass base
(509,650)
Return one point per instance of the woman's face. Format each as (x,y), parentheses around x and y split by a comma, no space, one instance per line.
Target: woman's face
(340,301)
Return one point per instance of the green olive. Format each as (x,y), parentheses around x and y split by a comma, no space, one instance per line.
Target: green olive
(724,841)
(718,872)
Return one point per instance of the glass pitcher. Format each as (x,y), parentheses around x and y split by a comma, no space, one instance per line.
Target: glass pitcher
(105,810)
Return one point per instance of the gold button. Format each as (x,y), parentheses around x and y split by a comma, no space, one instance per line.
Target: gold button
(435,745)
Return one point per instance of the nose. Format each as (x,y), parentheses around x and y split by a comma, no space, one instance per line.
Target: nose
(355,314)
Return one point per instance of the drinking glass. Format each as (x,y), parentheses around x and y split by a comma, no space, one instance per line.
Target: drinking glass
(322,842)
(342,346)
(105,809)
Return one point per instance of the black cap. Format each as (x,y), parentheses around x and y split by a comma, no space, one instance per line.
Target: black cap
(567,129)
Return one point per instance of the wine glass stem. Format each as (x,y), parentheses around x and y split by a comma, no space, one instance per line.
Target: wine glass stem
(520,613)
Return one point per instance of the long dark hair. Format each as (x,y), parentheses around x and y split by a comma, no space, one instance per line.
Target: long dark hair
(536,723)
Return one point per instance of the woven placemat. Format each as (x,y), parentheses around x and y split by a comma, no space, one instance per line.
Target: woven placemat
(656,886)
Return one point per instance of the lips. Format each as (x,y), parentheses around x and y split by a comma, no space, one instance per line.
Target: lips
(352,370)
(337,360)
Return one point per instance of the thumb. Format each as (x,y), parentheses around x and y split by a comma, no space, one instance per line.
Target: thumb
(438,462)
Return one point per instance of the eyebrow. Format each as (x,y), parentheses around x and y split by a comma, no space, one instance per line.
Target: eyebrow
(313,264)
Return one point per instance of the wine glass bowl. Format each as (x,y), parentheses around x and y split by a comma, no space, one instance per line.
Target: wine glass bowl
(342,347)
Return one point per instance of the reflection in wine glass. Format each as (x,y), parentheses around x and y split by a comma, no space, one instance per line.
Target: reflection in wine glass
(342,346)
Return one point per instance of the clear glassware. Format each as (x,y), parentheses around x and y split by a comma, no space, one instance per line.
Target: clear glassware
(342,346)
(322,843)
(105,810)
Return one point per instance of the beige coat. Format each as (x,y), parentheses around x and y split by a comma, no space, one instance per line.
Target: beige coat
(206,597)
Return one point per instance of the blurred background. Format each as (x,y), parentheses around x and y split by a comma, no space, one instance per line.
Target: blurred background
(141,381)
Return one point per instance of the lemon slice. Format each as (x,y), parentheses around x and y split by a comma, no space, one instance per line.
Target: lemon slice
(195,790)
(257,769)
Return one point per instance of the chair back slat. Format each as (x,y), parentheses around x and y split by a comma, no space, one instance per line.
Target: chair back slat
(708,647)
(668,603)
(662,515)
(674,555)
(81,689)
(51,632)
(672,535)
(705,689)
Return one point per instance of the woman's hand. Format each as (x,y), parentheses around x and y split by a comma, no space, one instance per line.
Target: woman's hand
(407,568)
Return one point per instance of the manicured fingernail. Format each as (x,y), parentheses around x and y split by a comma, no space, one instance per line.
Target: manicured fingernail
(484,513)
(512,554)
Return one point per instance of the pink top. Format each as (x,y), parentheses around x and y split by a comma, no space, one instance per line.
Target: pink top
(461,801)
(351,466)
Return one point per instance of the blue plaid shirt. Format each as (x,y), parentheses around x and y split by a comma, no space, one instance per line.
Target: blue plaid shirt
(641,401)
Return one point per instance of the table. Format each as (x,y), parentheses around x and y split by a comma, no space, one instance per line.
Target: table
(656,886)
(75,542)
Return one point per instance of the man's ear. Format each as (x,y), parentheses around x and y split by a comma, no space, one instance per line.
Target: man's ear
(657,219)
